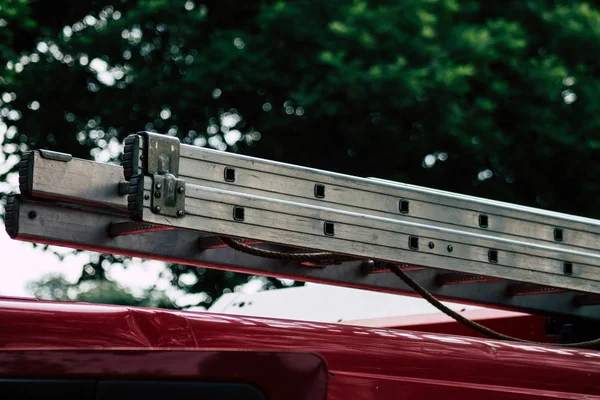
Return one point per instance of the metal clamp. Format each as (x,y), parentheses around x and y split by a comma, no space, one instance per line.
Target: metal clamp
(162,163)
(168,195)
(161,153)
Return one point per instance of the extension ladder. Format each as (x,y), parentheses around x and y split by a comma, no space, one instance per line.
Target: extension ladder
(175,202)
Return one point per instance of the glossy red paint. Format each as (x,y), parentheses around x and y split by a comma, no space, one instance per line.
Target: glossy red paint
(520,325)
(300,376)
(364,363)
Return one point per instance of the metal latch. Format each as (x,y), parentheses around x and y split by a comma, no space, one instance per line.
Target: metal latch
(162,163)
(168,195)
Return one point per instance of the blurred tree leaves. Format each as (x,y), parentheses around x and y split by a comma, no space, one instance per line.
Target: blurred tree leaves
(56,287)
(495,99)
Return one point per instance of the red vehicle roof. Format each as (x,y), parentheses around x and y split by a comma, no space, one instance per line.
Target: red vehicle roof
(363,362)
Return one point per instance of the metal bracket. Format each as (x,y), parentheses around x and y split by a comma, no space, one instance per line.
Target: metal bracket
(55,155)
(168,195)
(161,154)
(123,188)
(162,163)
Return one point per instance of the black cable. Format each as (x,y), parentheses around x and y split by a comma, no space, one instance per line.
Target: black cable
(317,257)
(472,324)
(324,256)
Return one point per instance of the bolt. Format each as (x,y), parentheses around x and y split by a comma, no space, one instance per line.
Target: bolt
(181,190)
(157,209)
(32,214)
(450,248)
(158,185)
(180,213)
(367,266)
(431,245)
(157,195)
(146,197)
(141,157)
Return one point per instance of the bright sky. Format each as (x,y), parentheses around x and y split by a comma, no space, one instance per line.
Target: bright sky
(22,262)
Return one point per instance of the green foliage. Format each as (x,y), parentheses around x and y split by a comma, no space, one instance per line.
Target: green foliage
(56,287)
(495,99)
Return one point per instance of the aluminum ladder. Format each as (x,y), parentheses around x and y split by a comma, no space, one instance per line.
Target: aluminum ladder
(174,202)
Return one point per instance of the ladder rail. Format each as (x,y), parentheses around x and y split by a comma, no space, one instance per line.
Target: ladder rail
(181,197)
(88,229)
(375,185)
(212,210)
(61,177)
(271,220)
(205,167)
